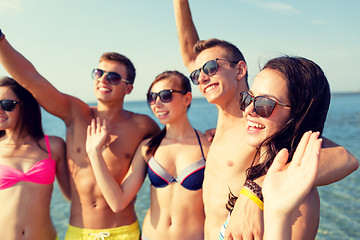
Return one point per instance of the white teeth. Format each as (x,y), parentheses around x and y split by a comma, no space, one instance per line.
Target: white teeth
(209,88)
(255,125)
(161,114)
(104,89)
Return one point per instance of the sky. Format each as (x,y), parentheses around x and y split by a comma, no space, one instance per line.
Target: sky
(64,39)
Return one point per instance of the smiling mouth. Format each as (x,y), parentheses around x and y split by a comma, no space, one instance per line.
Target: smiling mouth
(255,125)
(162,114)
(209,88)
(104,89)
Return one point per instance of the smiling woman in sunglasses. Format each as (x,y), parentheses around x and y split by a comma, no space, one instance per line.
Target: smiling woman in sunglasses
(288,98)
(174,160)
(29,161)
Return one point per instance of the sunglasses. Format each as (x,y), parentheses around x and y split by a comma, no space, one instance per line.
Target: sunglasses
(210,68)
(263,106)
(8,105)
(112,77)
(164,95)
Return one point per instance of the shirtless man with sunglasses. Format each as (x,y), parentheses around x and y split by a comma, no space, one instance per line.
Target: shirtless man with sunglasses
(114,77)
(220,71)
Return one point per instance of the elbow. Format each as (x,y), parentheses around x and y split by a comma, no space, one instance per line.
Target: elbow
(355,164)
(116,208)
(352,163)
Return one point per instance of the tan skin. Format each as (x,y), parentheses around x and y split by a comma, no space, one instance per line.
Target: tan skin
(270,83)
(25,200)
(298,178)
(175,212)
(126,130)
(230,155)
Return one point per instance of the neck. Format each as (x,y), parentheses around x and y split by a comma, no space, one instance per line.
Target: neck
(110,111)
(180,129)
(229,110)
(229,114)
(10,138)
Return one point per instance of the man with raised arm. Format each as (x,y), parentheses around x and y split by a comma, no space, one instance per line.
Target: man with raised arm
(90,215)
(220,71)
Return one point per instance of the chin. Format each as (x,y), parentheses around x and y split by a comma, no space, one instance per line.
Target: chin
(211,99)
(254,141)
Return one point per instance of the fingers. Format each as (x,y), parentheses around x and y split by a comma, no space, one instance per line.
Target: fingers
(312,147)
(310,162)
(104,124)
(96,126)
(210,133)
(88,131)
(279,161)
(301,148)
(91,128)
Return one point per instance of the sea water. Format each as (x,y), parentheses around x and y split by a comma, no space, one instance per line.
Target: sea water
(340,202)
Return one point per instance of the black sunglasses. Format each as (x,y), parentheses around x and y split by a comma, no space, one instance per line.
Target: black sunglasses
(210,68)
(164,95)
(112,77)
(263,106)
(8,105)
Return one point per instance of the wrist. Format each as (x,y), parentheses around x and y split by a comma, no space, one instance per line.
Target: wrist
(254,188)
(248,193)
(276,227)
(93,152)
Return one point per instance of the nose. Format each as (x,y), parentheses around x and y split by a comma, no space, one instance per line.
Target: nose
(158,102)
(250,110)
(203,78)
(103,78)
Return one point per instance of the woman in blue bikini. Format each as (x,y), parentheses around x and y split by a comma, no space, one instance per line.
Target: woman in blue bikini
(174,161)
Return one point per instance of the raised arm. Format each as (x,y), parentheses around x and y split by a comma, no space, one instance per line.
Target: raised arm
(187,33)
(335,163)
(56,103)
(117,196)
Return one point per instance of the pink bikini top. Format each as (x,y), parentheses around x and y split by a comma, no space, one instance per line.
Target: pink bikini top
(42,172)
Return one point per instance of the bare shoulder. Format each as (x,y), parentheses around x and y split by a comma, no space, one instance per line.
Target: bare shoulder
(146,124)
(57,146)
(143,147)
(305,219)
(142,118)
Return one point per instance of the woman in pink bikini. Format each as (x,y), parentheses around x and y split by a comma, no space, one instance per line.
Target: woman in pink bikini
(29,161)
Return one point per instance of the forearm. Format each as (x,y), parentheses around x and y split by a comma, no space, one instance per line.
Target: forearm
(186,30)
(26,75)
(276,226)
(17,65)
(335,163)
(111,190)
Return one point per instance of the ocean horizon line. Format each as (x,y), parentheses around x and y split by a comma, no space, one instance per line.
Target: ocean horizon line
(92,103)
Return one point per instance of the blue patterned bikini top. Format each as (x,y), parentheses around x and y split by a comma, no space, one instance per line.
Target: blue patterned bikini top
(190,178)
